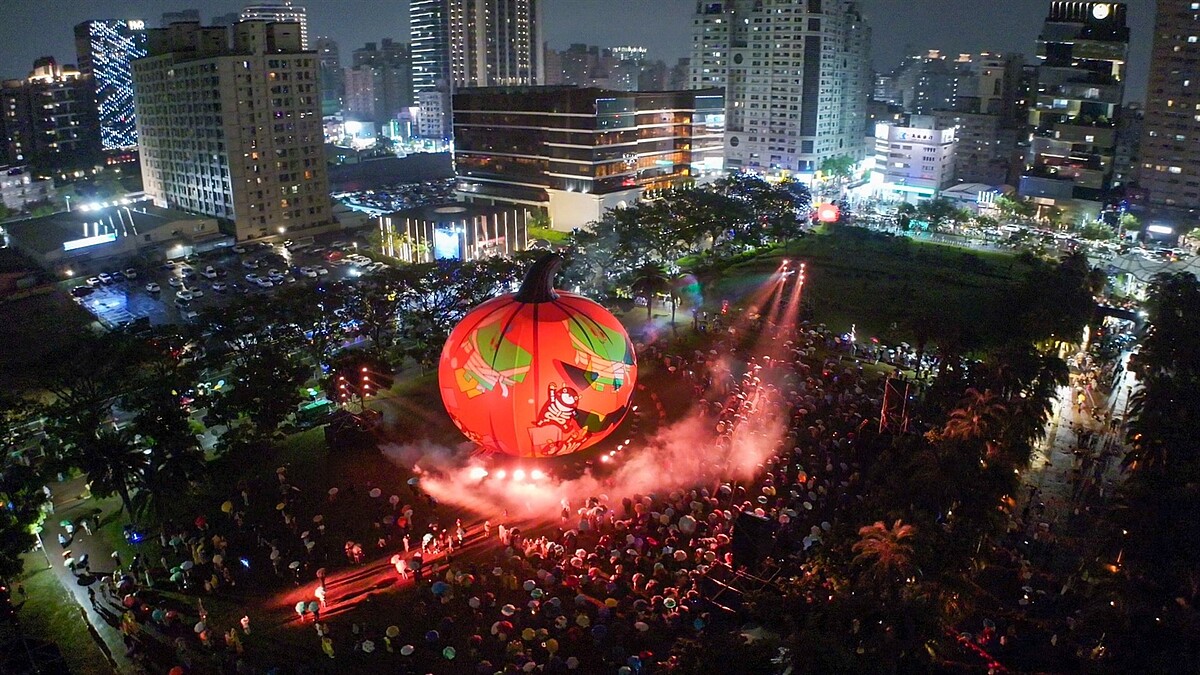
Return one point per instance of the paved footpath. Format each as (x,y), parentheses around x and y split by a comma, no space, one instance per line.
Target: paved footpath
(103,617)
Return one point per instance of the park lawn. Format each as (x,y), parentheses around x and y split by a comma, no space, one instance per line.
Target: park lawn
(875,281)
(50,614)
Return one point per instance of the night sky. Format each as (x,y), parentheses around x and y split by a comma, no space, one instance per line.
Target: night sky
(33,28)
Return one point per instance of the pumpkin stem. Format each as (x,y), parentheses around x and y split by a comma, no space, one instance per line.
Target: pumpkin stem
(538,285)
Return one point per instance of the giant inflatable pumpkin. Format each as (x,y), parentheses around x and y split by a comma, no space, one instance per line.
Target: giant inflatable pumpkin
(538,373)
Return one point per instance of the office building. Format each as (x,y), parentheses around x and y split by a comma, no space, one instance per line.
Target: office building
(182,16)
(1074,115)
(913,161)
(280,11)
(796,76)
(50,120)
(574,153)
(1170,147)
(106,50)
(475,43)
(234,131)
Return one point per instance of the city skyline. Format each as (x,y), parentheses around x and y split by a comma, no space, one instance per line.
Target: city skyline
(898,26)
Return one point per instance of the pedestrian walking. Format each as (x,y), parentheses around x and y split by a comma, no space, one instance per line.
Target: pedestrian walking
(62,540)
(327,646)
(87,526)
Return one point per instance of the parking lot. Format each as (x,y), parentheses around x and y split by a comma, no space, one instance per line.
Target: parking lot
(183,287)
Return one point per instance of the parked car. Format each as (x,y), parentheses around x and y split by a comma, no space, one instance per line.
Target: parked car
(308,272)
(131,273)
(321,271)
(250,264)
(187,271)
(252,278)
(176,282)
(82,291)
(209,272)
(239,249)
(105,278)
(190,315)
(93,281)
(153,287)
(264,283)
(117,277)
(169,265)
(219,286)
(197,292)
(184,295)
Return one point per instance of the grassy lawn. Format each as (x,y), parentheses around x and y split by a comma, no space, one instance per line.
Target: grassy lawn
(52,615)
(875,281)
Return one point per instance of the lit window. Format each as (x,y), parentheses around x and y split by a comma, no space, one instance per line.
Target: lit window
(1175,169)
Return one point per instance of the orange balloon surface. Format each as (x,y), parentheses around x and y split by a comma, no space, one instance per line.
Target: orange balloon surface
(539,378)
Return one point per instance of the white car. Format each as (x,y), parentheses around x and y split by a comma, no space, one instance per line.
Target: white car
(275,276)
(153,287)
(94,281)
(321,271)
(130,273)
(263,283)
(209,272)
(250,264)
(184,295)
(219,286)
(176,282)
(252,278)
(186,271)
(308,272)
(105,278)
(239,249)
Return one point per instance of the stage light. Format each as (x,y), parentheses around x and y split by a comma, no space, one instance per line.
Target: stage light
(501,474)
(519,474)
(478,473)
(537,474)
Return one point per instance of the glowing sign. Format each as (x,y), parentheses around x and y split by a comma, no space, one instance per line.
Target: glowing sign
(136,25)
(828,213)
(105,238)
(1160,229)
(1101,11)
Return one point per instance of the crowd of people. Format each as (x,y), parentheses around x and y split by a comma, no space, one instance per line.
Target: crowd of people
(608,585)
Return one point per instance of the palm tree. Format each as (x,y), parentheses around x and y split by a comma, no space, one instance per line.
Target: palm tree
(978,416)
(113,464)
(884,553)
(650,280)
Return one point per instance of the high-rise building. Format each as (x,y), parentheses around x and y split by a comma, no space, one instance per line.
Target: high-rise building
(615,68)
(475,43)
(49,120)
(333,84)
(379,85)
(182,16)
(106,50)
(1131,126)
(433,114)
(1074,115)
(228,19)
(279,10)
(234,132)
(796,75)
(577,152)
(1170,148)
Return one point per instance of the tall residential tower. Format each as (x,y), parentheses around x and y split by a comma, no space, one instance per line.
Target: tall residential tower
(234,132)
(475,43)
(796,75)
(279,10)
(1170,148)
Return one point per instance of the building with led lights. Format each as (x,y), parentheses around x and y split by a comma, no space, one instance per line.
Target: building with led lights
(282,11)
(915,160)
(796,75)
(1075,111)
(575,153)
(475,43)
(49,120)
(233,131)
(106,51)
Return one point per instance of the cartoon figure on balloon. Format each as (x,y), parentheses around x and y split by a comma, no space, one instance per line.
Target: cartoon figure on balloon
(538,373)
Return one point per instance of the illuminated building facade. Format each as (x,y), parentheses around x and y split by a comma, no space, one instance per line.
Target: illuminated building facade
(106,50)
(1170,147)
(1075,111)
(475,43)
(577,152)
(234,132)
(49,120)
